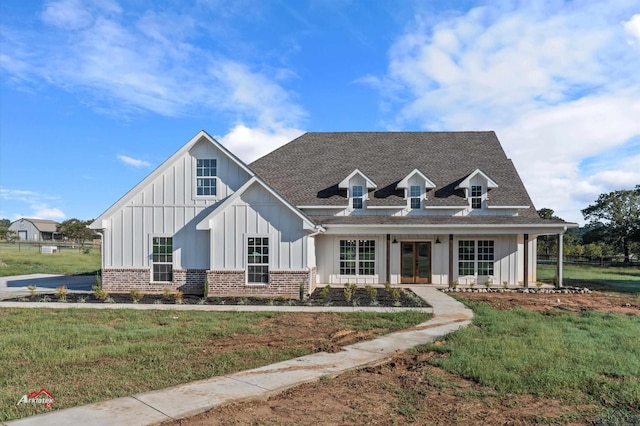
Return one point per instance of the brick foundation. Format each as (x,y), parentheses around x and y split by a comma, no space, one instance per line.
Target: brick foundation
(282,283)
(188,281)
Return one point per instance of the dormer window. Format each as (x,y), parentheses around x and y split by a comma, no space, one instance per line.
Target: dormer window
(357,195)
(414,196)
(206,180)
(476,197)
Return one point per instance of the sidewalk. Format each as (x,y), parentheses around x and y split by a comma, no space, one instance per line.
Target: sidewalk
(196,397)
(17,285)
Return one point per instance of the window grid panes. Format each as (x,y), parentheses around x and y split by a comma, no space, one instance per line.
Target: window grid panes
(357,257)
(475,262)
(258,260)
(206,182)
(357,194)
(476,197)
(414,196)
(162,258)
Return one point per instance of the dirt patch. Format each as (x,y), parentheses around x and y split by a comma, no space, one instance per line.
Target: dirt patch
(595,301)
(408,390)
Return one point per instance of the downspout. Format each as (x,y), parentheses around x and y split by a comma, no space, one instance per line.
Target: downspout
(319,230)
(101,232)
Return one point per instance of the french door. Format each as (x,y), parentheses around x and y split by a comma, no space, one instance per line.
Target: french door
(415,262)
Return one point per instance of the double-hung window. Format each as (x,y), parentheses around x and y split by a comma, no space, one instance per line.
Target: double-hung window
(258,260)
(475,257)
(476,197)
(414,196)
(162,257)
(357,196)
(206,172)
(357,257)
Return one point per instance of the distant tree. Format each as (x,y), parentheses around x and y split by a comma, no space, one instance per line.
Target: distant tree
(547,244)
(4,228)
(615,218)
(76,230)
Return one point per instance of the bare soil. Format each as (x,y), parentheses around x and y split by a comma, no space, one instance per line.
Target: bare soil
(408,390)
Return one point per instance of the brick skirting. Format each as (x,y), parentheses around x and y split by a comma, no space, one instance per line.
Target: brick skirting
(188,281)
(221,283)
(282,283)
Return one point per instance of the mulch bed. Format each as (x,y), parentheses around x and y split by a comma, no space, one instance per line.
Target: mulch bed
(320,297)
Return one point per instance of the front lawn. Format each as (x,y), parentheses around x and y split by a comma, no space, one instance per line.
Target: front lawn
(614,278)
(85,355)
(591,357)
(25,259)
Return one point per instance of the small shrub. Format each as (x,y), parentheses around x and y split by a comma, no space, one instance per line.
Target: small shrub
(355,302)
(157,302)
(45,298)
(387,286)
(109,299)
(454,284)
(136,295)
(242,301)
(202,301)
(374,302)
(472,284)
(349,290)
(177,296)
(99,293)
(324,293)
(82,299)
(538,284)
(23,299)
(488,283)
(505,284)
(270,302)
(205,286)
(167,292)
(32,290)
(395,294)
(372,291)
(61,293)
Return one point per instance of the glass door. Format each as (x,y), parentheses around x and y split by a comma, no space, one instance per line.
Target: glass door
(415,263)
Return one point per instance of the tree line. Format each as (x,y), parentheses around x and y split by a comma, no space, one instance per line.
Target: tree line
(612,228)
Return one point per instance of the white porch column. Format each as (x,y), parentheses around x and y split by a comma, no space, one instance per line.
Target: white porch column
(560,260)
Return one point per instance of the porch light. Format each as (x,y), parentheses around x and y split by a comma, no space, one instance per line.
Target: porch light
(437,240)
(394,241)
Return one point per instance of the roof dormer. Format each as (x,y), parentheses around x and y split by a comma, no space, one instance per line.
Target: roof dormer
(357,185)
(475,187)
(415,186)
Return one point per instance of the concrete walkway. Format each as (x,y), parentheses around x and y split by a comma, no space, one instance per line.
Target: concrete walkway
(17,286)
(196,397)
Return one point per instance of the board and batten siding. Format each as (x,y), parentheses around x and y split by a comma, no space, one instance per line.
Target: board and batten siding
(168,206)
(258,213)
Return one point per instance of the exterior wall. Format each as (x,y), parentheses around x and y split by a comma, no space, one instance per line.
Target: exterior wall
(282,283)
(167,206)
(25,230)
(258,213)
(122,280)
(328,260)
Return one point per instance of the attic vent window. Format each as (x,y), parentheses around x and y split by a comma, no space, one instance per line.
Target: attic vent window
(357,194)
(206,172)
(476,197)
(414,196)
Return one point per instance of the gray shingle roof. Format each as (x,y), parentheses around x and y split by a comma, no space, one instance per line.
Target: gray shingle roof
(432,220)
(307,170)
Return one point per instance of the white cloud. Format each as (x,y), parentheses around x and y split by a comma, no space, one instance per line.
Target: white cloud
(556,81)
(133,161)
(43,211)
(632,27)
(36,203)
(252,143)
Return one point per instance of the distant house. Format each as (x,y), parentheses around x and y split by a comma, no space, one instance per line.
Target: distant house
(35,229)
(326,208)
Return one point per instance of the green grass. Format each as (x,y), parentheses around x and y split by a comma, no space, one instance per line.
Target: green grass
(84,355)
(24,259)
(619,279)
(591,357)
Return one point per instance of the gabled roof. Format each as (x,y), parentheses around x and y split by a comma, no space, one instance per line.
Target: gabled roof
(308,170)
(207,222)
(202,135)
(467,181)
(345,182)
(404,183)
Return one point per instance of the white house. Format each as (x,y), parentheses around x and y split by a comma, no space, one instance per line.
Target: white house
(326,208)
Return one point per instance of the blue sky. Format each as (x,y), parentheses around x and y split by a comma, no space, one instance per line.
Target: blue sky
(95,94)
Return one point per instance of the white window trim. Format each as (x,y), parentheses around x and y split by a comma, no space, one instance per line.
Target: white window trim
(482,197)
(363,197)
(151,262)
(195,179)
(357,259)
(475,258)
(408,196)
(246,259)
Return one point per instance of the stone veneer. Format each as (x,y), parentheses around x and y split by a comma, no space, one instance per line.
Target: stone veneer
(282,283)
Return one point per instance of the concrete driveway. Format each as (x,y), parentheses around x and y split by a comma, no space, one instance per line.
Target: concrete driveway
(16,286)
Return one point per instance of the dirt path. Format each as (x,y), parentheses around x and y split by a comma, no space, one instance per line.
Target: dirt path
(409,390)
